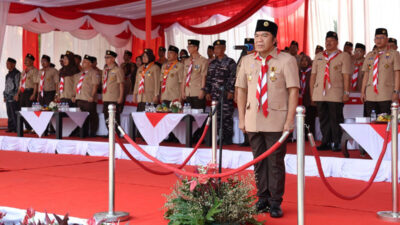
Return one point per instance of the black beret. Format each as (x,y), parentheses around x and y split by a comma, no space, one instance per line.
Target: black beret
(69,52)
(30,56)
(393,40)
(348,43)
(173,49)
(319,47)
(381,31)
(90,58)
(128,52)
(266,25)
(248,41)
(219,42)
(62,56)
(194,42)
(294,43)
(94,58)
(11,60)
(111,53)
(210,47)
(148,50)
(331,34)
(359,45)
(46,57)
(161,48)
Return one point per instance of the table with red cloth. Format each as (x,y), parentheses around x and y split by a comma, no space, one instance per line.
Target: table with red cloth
(155,127)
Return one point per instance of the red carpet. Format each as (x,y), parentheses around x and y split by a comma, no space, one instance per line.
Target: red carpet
(78,185)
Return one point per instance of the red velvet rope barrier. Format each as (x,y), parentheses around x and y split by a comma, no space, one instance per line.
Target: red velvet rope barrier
(118,140)
(370,181)
(182,172)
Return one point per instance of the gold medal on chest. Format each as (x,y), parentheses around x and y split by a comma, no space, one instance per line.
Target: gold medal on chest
(148,74)
(386,66)
(249,78)
(272,76)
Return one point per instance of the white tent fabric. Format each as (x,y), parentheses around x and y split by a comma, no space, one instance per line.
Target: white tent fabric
(4,6)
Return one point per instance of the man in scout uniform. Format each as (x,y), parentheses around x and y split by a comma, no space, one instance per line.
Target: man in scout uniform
(112,85)
(222,73)
(392,44)
(28,85)
(10,91)
(86,92)
(357,75)
(268,89)
(195,77)
(348,47)
(329,88)
(147,85)
(294,49)
(78,60)
(318,49)
(161,54)
(171,77)
(381,83)
(127,66)
(48,82)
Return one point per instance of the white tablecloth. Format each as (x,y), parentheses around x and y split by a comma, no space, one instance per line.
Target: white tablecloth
(38,120)
(155,127)
(70,123)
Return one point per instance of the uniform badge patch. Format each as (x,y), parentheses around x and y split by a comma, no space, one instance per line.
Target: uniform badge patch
(386,66)
(249,78)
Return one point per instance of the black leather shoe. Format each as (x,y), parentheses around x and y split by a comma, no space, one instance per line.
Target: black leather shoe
(324,147)
(262,205)
(276,211)
(336,147)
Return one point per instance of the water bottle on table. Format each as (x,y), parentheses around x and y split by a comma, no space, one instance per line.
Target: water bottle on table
(373,116)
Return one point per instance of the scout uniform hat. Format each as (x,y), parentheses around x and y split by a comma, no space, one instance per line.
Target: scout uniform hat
(266,25)
(111,53)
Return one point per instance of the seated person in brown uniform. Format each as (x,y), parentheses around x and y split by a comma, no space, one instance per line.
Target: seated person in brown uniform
(392,44)
(329,88)
(112,86)
(28,85)
(357,63)
(48,82)
(268,90)
(171,77)
(195,77)
(381,83)
(147,85)
(86,92)
(66,89)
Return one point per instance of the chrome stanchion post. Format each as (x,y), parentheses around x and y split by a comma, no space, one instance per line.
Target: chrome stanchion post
(394,214)
(300,110)
(111,216)
(214,133)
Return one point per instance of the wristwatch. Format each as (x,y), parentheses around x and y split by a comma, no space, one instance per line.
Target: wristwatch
(346,92)
(396,91)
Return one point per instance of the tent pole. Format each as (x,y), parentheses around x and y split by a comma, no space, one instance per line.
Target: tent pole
(148,23)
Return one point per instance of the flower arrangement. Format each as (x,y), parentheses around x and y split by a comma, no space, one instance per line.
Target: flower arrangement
(206,201)
(53,106)
(175,106)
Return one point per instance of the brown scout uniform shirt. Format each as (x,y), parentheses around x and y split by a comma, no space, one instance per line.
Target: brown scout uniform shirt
(286,76)
(115,78)
(360,75)
(174,80)
(91,79)
(340,65)
(128,83)
(31,78)
(199,70)
(69,87)
(51,79)
(151,83)
(389,62)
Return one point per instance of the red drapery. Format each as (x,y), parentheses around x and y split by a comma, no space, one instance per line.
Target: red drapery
(293,27)
(139,45)
(30,44)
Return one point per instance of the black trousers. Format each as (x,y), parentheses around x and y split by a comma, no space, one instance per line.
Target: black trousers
(311,114)
(68,101)
(141,107)
(270,172)
(330,117)
(12,108)
(117,111)
(48,96)
(196,103)
(379,107)
(24,101)
(93,117)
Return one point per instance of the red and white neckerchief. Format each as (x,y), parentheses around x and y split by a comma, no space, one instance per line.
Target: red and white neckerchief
(354,77)
(166,72)
(327,72)
(303,80)
(41,84)
(189,74)
(143,74)
(262,86)
(61,85)
(79,86)
(105,80)
(23,81)
(375,72)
